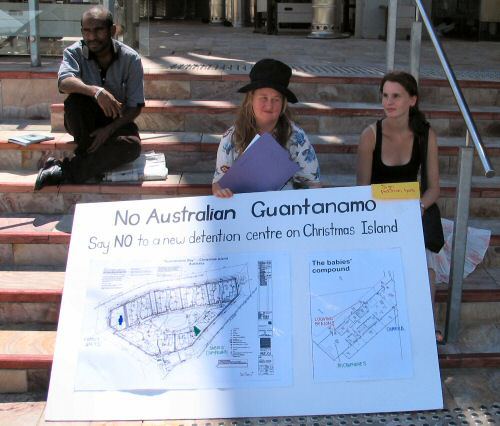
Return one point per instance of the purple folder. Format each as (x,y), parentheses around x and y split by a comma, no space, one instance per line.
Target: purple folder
(264,166)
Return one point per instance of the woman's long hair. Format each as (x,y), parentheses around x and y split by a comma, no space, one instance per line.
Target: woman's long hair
(417,121)
(245,126)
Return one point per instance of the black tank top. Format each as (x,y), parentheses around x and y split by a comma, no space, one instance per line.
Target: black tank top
(391,174)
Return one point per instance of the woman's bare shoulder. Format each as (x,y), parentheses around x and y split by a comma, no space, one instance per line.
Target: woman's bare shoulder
(432,133)
(369,135)
(432,139)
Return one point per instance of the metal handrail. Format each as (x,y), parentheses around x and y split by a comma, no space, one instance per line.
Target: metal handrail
(462,105)
(466,157)
(464,178)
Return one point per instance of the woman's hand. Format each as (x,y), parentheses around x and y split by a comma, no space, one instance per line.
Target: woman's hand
(221,192)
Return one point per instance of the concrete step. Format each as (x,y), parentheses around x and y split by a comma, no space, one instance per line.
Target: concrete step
(34,296)
(39,239)
(313,88)
(26,349)
(17,195)
(34,240)
(43,240)
(16,191)
(25,360)
(30,93)
(27,412)
(30,297)
(196,152)
(192,149)
(22,352)
(315,117)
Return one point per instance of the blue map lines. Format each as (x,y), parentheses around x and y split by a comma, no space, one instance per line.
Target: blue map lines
(356,326)
(359,329)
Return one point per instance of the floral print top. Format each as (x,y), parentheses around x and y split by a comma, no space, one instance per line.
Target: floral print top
(300,149)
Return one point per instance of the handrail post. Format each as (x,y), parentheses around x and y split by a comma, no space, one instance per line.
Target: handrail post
(392,17)
(110,5)
(416,43)
(131,21)
(33,13)
(459,242)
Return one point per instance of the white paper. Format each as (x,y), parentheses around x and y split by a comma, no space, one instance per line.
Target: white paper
(148,166)
(358,316)
(187,323)
(134,239)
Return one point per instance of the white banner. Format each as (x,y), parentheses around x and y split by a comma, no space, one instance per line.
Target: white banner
(268,304)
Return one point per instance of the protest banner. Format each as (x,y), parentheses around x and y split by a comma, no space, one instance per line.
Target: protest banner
(267,304)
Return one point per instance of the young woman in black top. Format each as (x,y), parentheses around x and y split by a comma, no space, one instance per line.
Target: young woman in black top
(389,150)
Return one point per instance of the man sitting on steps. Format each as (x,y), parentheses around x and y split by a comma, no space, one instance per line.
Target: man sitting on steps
(105,83)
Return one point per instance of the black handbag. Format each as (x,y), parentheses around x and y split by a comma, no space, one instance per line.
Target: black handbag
(433,229)
(431,219)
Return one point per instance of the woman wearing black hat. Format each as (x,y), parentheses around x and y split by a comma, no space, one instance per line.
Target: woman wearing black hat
(265,109)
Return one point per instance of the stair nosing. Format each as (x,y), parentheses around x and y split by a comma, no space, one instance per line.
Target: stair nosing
(462,360)
(177,184)
(349,144)
(25,361)
(37,295)
(162,74)
(351,109)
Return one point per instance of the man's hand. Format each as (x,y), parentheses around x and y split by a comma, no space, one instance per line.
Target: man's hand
(100,136)
(108,103)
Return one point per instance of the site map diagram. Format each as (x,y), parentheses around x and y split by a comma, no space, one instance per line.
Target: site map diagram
(359,327)
(186,324)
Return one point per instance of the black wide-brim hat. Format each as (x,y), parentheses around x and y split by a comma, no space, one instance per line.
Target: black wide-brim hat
(271,73)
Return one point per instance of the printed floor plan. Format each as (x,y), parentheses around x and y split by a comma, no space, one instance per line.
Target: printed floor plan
(192,313)
(185,323)
(358,321)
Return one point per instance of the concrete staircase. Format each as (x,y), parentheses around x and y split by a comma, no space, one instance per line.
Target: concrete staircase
(184,117)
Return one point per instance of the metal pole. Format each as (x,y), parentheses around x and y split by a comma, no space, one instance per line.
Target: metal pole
(459,244)
(33,13)
(237,13)
(131,18)
(416,43)
(358,24)
(142,27)
(228,12)
(110,5)
(392,17)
